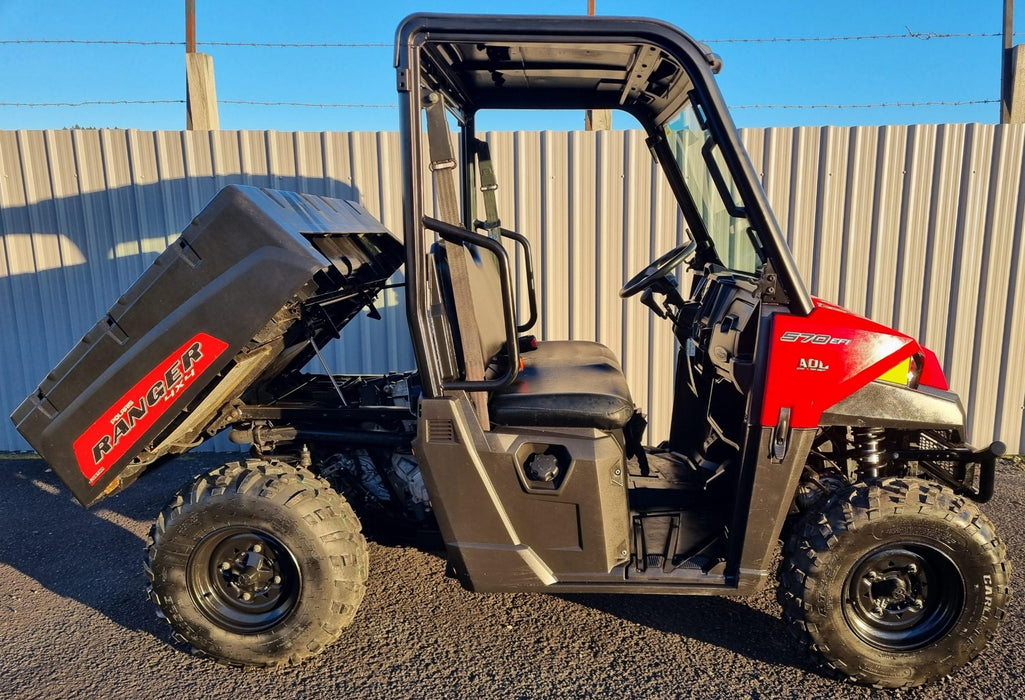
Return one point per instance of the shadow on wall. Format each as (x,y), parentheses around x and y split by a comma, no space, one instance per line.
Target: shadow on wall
(64,261)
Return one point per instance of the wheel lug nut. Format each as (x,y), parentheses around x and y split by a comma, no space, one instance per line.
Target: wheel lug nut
(911,569)
(917,603)
(276,579)
(257,548)
(247,596)
(225,565)
(872,576)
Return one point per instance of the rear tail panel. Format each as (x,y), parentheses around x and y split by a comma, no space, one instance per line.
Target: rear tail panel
(202,325)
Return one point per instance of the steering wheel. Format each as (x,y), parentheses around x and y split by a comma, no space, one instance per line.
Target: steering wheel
(658,269)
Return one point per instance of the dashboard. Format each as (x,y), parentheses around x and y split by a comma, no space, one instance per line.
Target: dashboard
(721,338)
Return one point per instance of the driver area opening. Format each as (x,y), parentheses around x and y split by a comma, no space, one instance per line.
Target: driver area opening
(680,492)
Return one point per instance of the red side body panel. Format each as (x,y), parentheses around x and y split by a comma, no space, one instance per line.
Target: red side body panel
(822,358)
(932,373)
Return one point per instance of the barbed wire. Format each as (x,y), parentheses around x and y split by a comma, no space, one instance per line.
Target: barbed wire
(258,103)
(351,105)
(872,105)
(249,44)
(326,105)
(292,45)
(87,103)
(909,34)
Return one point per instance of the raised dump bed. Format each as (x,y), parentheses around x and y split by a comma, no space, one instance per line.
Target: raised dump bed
(254,284)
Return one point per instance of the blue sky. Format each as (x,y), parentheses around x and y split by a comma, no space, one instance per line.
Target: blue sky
(778,73)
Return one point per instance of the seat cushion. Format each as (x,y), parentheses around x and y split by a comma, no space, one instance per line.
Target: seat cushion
(566,384)
(564,352)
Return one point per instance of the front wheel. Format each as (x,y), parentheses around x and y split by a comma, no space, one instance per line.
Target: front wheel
(896,583)
(257,564)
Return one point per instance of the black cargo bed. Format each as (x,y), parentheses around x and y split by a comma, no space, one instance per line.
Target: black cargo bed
(257,278)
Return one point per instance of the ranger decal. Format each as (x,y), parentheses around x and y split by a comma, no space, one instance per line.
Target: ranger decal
(120,426)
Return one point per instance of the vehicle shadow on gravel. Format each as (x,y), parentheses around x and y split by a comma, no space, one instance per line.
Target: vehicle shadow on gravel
(93,557)
(730,624)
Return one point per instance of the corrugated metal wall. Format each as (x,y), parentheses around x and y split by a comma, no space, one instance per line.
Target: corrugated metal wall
(918,227)
(83,213)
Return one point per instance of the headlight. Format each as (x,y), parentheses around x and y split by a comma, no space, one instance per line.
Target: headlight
(907,372)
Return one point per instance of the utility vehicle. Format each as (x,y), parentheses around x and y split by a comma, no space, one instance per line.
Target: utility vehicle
(792,417)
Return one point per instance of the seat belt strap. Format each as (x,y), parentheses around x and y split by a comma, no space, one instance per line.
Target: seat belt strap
(443,172)
(489,189)
(443,164)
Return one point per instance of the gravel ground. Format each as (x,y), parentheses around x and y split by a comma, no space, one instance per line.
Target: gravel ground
(76,622)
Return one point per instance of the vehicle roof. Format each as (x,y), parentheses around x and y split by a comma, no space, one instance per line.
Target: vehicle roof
(510,61)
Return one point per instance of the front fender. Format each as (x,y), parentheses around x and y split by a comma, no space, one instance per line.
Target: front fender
(886,405)
(821,359)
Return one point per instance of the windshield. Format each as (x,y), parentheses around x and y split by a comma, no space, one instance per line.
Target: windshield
(713,190)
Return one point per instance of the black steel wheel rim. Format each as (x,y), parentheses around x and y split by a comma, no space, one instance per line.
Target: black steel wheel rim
(903,596)
(243,579)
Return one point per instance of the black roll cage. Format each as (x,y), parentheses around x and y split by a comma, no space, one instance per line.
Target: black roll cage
(420,32)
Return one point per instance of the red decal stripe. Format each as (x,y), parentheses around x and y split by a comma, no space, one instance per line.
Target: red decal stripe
(121,426)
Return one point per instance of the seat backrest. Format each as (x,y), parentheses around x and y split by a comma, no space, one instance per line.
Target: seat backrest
(486,297)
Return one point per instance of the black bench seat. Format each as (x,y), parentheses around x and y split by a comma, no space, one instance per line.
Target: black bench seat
(566,383)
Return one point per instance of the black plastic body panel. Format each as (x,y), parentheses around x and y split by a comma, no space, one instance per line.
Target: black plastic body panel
(504,532)
(763,500)
(177,331)
(888,405)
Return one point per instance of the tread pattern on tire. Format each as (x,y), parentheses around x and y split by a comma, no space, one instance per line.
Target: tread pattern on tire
(313,500)
(855,508)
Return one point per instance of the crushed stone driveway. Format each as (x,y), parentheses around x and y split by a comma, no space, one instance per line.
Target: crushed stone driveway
(75,622)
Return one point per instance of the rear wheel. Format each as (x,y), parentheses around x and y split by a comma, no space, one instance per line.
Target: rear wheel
(896,583)
(257,564)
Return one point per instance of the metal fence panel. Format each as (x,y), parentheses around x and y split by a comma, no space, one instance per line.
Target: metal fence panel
(919,227)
